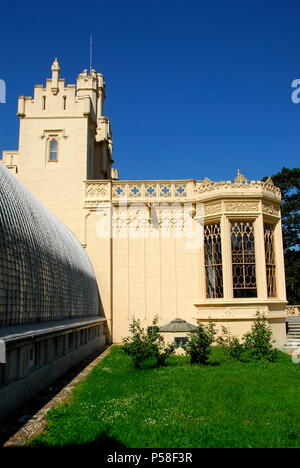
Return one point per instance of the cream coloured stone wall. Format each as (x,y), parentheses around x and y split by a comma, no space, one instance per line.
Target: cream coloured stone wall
(153,277)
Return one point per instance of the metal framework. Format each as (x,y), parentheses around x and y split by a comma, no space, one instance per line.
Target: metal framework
(213,261)
(45,273)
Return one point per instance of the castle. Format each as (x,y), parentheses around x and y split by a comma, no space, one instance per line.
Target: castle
(182,250)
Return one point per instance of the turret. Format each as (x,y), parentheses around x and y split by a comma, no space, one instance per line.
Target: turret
(55,77)
(101,94)
(87,88)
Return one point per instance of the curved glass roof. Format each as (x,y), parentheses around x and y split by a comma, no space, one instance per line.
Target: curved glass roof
(45,274)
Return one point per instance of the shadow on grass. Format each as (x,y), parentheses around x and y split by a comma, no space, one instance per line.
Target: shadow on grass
(103,441)
(16,420)
(206,365)
(149,364)
(214,364)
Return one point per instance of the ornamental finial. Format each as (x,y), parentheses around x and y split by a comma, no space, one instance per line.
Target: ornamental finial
(240,178)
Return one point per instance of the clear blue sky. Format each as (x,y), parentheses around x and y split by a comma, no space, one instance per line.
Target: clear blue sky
(194,88)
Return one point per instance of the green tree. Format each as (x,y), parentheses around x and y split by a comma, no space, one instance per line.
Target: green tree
(200,342)
(288,180)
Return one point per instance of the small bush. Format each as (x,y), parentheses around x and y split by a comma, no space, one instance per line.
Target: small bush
(255,345)
(232,343)
(259,340)
(199,343)
(143,345)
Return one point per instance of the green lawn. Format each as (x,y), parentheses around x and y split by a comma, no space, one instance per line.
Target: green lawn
(226,404)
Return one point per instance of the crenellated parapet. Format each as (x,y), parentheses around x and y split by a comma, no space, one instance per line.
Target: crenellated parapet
(57,99)
(63,127)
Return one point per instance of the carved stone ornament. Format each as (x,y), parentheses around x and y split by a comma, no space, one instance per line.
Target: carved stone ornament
(243,206)
(61,132)
(96,191)
(240,179)
(271,209)
(240,182)
(213,208)
(270,187)
(130,218)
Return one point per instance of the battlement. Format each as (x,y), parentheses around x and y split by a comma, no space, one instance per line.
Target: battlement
(56,99)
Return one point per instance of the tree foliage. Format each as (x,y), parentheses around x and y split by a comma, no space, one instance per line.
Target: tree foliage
(288,180)
(199,344)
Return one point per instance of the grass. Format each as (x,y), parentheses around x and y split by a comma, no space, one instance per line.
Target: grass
(231,404)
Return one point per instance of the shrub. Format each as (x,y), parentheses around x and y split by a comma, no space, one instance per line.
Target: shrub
(259,340)
(137,345)
(232,343)
(256,344)
(142,345)
(199,343)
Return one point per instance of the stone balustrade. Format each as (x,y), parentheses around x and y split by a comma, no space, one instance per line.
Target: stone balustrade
(97,191)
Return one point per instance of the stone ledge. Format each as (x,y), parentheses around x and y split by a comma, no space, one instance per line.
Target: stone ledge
(33,330)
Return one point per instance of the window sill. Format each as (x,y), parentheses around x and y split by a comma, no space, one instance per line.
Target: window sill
(231,302)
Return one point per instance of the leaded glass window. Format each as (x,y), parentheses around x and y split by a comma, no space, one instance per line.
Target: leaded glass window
(243,259)
(270,259)
(213,261)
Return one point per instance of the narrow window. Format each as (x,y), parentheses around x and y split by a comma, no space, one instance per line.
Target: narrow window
(213,261)
(56,346)
(64,102)
(243,260)
(44,103)
(180,340)
(32,356)
(270,259)
(53,150)
(71,340)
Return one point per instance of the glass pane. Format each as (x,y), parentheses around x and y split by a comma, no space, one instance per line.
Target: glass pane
(53,150)
(213,261)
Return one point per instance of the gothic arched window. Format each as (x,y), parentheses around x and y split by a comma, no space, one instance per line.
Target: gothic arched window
(53,150)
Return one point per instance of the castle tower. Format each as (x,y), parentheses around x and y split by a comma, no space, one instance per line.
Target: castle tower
(64,140)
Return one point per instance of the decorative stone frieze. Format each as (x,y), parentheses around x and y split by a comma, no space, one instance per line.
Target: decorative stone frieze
(271,209)
(292,310)
(130,218)
(212,208)
(95,192)
(177,217)
(240,207)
